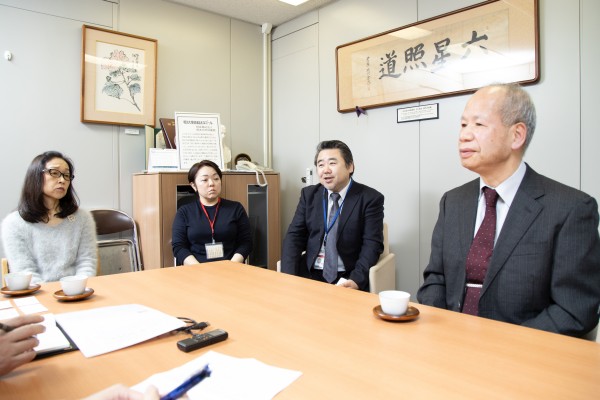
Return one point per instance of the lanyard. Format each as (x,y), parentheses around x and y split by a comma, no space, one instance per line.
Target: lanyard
(337,213)
(212,223)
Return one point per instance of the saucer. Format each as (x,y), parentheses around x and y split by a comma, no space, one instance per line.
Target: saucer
(60,295)
(411,314)
(31,289)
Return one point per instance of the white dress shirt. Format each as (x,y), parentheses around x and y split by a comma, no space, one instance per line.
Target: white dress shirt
(507,191)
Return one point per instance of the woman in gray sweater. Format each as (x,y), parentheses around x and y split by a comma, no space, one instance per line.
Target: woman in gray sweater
(49,235)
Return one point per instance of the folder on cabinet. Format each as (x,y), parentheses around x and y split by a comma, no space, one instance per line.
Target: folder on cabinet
(169,132)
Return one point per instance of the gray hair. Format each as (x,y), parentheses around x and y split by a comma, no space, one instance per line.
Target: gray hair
(516,107)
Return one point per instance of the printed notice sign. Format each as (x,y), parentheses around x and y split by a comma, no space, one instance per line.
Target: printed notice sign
(418,113)
(198,138)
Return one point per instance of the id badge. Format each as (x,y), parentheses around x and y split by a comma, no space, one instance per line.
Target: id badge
(320,260)
(214,250)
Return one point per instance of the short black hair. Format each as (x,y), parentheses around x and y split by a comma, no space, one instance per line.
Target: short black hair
(31,204)
(336,144)
(204,163)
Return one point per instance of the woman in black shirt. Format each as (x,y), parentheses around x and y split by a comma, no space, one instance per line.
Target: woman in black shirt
(210,228)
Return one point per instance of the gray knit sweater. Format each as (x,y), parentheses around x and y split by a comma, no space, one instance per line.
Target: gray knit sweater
(51,252)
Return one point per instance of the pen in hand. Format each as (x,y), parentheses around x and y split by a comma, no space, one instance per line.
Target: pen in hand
(188,384)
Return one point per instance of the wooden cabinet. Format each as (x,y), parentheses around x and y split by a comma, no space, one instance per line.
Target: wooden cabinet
(155,204)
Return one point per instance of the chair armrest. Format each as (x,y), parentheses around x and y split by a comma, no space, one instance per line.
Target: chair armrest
(382,276)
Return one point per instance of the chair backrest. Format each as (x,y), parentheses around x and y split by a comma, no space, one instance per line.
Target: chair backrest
(113,252)
(112,221)
(4,270)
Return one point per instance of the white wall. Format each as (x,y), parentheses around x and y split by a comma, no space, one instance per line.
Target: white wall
(590,87)
(295,120)
(206,63)
(414,163)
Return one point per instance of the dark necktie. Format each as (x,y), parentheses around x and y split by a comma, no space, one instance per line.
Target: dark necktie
(330,268)
(480,253)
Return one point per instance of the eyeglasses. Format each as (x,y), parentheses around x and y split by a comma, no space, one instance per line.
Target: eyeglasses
(57,174)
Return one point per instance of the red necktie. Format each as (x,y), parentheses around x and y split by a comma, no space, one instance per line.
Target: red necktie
(480,253)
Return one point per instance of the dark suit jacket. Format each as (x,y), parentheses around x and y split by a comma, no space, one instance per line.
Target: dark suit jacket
(545,269)
(359,237)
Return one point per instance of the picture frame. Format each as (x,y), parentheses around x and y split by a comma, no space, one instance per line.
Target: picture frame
(496,41)
(118,82)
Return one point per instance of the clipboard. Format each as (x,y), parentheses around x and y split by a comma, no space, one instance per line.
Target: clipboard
(169,132)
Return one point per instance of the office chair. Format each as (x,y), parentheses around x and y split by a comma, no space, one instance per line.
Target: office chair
(115,253)
(382,276)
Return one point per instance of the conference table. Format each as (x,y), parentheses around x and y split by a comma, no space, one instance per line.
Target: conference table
(328,333)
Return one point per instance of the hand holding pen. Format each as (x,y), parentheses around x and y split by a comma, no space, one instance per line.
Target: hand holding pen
(122,392)
(17,340)
(192,381)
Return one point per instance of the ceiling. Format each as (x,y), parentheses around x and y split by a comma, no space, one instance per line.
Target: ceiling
(257,12)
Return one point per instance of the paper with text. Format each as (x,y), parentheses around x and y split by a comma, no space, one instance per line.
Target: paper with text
(105,329)
(198,138)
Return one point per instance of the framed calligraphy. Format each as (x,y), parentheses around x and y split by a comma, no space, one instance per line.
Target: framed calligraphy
(490,42)
(118,84)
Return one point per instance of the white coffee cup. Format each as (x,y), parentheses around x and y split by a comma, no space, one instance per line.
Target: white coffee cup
(73,285)
(18,280)
(394,302)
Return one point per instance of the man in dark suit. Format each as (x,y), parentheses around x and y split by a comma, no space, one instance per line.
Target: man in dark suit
(353,227)
(543,271)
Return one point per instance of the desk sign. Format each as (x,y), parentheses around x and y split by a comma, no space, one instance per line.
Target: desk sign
(162,160)
(418,113)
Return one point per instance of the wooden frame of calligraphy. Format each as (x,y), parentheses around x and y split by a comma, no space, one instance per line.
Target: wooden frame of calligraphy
(458,52)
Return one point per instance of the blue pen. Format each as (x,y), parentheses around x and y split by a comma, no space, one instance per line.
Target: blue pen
(188,384)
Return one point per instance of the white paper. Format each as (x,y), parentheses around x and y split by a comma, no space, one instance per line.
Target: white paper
(8,313)
(52,338)
(33,309)
(198,138)
(5,304)
(26,301)
(231,378)
(105,329)
(162,160)
(29,305)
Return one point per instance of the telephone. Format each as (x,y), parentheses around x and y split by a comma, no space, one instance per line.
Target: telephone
(244,165)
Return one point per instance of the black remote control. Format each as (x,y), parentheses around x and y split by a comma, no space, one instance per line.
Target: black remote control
(201,340)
